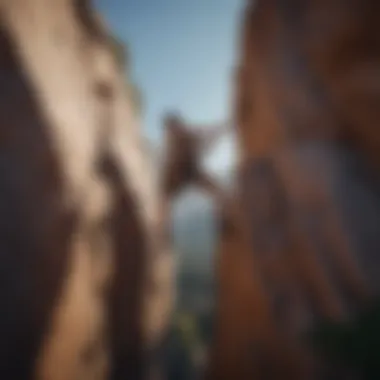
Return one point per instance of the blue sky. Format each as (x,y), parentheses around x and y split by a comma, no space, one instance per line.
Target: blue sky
(182,55)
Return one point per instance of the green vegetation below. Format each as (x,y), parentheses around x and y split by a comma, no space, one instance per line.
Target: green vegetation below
(355,344)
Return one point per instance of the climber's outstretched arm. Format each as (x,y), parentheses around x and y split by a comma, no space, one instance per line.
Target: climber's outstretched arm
(208,136)
(210,186)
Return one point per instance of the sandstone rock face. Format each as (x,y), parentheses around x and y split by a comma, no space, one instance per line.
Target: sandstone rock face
(82,263)
(309,202)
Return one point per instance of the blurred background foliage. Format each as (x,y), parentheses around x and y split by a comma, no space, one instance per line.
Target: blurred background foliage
(354,344)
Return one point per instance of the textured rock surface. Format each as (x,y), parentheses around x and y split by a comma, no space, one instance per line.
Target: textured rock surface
(306,110)
(86,282)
